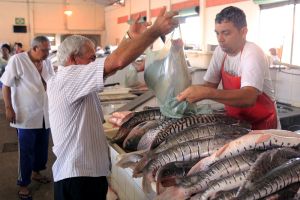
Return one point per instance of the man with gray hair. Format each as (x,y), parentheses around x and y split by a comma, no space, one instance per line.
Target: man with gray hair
(82,157)
(26,106)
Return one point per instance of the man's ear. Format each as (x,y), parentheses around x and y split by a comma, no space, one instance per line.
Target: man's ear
(34,48)
(71,60)
(244,31)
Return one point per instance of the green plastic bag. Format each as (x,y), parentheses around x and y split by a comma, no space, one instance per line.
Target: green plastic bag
(166,73)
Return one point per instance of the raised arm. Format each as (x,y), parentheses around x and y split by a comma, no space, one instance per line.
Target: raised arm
(129,50)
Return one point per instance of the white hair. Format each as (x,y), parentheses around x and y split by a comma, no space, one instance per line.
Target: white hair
(72,45)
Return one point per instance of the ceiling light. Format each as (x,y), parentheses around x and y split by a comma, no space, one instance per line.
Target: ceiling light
(68,12)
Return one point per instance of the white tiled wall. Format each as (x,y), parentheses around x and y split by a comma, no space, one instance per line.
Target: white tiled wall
(286,90)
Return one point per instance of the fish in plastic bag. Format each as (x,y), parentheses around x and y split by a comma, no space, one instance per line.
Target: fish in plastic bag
(167,75)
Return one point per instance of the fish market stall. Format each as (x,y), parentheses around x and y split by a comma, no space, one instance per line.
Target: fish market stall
(127,187)
(234,156)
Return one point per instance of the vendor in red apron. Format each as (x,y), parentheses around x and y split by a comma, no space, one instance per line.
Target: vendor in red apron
(243,68)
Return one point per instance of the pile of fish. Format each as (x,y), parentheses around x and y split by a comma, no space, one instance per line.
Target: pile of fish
(209,156)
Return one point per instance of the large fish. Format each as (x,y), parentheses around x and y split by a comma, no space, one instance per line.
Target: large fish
(258,139)
(189,151)
(188,185)
(225,184)
(147,139)
(167,174)
(265,163)
(138,117)
(273,181)
(188,121)
(132,140)
(198,131)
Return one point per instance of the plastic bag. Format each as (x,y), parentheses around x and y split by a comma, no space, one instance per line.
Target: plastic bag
(167,75)
(131,77)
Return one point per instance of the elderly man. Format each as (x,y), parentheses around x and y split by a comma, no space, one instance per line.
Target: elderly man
(244,71)
(82,158)
(26,105)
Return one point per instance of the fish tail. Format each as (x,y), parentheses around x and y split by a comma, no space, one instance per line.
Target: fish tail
(146,183)
(201,165)
(138,170)
(130,159)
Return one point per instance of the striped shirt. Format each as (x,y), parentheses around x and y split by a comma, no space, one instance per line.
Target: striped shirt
(80,145)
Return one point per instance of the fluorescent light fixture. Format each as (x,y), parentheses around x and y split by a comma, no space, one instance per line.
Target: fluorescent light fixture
(68,12)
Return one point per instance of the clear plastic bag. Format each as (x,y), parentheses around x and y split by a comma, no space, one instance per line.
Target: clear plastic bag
(166,73)
(131,77)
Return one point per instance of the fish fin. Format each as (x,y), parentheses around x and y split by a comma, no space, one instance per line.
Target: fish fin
(201,165)
(130,159)
(221,150)
(146,183)
(263,138)
(140,166)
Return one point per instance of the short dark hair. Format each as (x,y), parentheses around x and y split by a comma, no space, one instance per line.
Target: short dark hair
(232,14)
(19,44)
(7,47)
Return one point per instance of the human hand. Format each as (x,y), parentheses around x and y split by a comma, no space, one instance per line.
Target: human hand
(118,118)
(194,93)
(165,22)
(10,115)
(137,28)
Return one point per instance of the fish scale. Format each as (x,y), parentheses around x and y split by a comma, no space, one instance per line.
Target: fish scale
(188,121)
(198,182)
(138,117)
(149,136)
(188,151)
(276,179)
(256,140)
(198,131)
(225,184)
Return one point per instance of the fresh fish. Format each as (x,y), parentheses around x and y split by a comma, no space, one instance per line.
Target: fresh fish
(266,162)
(273,181)
(147,139)
(258,139)
(167,174)
(225,195)
(187,121)
(137,118)
(198,131)
(134,136)
(225,184)
(189,185)
(289,192)
(189,151)
(130,159)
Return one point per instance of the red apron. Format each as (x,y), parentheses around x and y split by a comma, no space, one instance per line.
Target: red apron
(262,115)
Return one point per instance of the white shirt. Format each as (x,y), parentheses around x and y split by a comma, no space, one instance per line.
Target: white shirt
(251,64)
(28,96)
(80,145)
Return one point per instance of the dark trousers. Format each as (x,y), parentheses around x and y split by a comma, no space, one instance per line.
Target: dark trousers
(81,188)
(33,153)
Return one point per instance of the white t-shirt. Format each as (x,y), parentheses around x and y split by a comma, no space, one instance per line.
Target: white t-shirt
(28,96)
(80,145)
(251,65)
